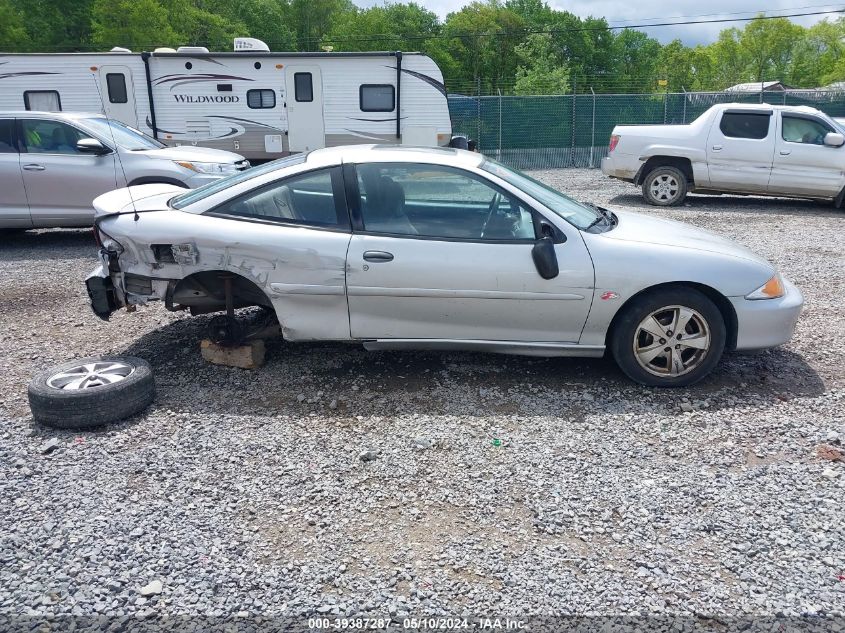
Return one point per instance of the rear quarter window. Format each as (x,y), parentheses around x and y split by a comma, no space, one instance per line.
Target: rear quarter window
(745,125)
(7,138)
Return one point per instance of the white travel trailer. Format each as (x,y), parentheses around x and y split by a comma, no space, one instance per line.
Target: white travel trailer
(258,103)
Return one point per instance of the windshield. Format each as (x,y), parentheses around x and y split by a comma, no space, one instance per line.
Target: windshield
(123,135)
(201,193)
(573,212)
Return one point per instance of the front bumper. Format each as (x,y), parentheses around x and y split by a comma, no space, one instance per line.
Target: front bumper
(769,322)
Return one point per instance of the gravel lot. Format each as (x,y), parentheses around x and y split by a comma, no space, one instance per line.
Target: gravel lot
(243,492)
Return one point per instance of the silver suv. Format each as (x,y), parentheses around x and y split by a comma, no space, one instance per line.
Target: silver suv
(53,164)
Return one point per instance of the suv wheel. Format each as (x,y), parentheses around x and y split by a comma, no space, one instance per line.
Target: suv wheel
(665,186)
(669,338)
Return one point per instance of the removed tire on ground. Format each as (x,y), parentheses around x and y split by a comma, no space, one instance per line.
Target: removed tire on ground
(90,392)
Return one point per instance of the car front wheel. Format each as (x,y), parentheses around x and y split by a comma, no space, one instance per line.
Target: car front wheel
(669,338)
(665,186)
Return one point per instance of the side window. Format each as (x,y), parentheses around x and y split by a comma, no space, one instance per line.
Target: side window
(438,201)
(315,198)
(376,98)
(116,84)
(260,99)
(7,136)
(302,87)
(745,125)
(50,137)
(801,130)
(42,100)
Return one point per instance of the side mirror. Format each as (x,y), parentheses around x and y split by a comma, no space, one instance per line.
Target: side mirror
(545,259)
(834,139)
(91,146)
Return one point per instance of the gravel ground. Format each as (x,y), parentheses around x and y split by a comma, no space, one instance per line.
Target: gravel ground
(496,484)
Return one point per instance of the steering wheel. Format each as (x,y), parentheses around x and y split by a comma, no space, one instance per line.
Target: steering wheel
(491,211)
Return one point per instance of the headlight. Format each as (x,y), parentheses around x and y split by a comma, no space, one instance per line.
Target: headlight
(218,169)
(772,289)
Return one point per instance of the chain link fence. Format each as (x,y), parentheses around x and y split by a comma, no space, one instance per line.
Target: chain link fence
(537,132)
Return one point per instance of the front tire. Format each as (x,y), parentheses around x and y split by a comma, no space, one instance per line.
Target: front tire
(665,186)
(669,338)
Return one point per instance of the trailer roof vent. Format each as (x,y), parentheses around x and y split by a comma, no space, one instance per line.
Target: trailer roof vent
(119,49)
(250,45)
(192,49)
(164,49)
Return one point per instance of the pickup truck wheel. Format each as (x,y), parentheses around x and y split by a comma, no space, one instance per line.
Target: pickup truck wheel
(665,186)
(669,338)
(90,392)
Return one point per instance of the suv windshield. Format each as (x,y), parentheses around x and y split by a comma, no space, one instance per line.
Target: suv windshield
(577,214)
(123,135)
(201,193)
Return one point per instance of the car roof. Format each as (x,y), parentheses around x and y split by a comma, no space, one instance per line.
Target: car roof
(395,154)
(51,115)
(768,107)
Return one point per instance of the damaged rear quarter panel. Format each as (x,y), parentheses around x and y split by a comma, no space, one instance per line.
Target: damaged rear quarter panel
(300,269)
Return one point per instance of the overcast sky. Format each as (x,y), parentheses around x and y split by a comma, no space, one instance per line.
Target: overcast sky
(645,11)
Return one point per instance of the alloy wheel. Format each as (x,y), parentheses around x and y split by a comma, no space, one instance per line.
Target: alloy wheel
(671,341)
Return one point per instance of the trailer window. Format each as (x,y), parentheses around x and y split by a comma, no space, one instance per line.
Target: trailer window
(377,98)
(260,99)
(42,100)
(116,84)
(303,89)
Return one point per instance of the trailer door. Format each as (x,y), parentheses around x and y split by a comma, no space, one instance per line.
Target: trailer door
(118,94)
(304,103)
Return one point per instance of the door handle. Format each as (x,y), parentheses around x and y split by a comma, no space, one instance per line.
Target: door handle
(34,167)
(785,152)
(378,256)
(717,148)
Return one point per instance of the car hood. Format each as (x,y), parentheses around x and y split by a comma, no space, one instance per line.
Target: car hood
(140,199)
(191,153)
(636,227)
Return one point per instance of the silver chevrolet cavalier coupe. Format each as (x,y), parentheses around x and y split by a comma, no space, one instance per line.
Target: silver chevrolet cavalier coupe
(413,248)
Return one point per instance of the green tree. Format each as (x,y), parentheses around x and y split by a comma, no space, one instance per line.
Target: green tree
(56,25)
(131,23)
(393,26)
(728,60)
(635,61)
(268,20)
(768,46)
(312,20)
(539,73)
(482,37)
(13,35)
(818,56)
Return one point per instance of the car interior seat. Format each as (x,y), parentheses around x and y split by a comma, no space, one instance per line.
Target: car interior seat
(385,205)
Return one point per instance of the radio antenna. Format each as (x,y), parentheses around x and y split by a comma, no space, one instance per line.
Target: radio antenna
(114,143)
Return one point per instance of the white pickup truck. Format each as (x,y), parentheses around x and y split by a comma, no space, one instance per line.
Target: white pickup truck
(792,151)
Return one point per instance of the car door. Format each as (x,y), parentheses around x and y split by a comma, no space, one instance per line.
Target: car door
(14,208)
(61,182)
(740,147)
(442,253)
(290,236)
(803,164)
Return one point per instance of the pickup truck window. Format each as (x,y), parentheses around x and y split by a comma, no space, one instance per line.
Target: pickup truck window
(745,125)
(803,130)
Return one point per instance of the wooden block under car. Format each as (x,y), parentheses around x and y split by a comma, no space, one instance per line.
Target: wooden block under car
(247,356)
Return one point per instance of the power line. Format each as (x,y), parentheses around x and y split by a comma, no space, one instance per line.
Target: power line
(522,32)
